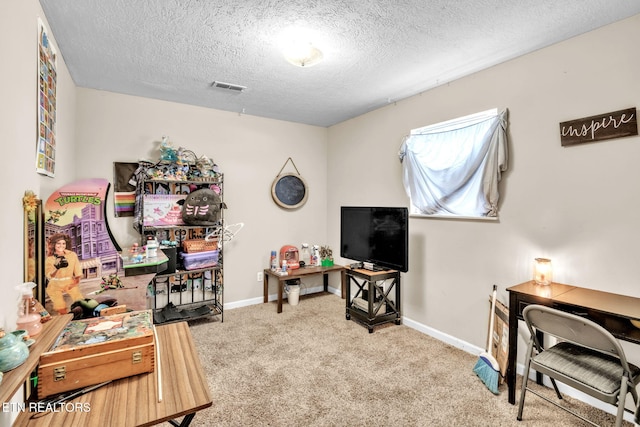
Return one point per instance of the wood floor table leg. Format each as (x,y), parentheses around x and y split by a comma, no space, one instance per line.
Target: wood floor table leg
(265,291)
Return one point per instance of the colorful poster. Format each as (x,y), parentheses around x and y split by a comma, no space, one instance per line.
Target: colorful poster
(47,77)
(162,209)
(81,261)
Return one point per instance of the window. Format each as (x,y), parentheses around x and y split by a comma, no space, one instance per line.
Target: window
(453,168)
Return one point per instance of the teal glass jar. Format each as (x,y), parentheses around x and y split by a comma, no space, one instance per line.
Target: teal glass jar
(13,352)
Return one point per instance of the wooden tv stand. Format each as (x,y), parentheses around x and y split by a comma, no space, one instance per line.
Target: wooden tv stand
(370,285)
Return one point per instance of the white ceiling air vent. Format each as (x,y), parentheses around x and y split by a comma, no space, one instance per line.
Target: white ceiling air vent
(228,86)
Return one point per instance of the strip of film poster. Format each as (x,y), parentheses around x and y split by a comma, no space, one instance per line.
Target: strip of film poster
(47,77)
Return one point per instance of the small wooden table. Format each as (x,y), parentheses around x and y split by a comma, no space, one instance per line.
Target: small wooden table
(302,272)
(133,401)
(370,288)
(612,311)
(15,378)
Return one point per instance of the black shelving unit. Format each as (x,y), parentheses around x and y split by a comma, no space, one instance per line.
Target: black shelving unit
(185,294)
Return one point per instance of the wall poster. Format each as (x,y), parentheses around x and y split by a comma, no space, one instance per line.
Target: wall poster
(47,77)
(81,260)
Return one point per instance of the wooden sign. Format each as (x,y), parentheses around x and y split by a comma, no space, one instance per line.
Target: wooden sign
(597,128)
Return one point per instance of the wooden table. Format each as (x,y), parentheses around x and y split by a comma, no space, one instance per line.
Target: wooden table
(134,401)
(611,311)
(371,286)
(19,376)
(302,272)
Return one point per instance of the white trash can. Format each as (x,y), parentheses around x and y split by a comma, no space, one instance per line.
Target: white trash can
(293,294)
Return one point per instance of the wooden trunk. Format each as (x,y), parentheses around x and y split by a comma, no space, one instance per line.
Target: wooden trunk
(92,351)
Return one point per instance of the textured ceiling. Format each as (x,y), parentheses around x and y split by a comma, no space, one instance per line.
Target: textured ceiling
(375,52)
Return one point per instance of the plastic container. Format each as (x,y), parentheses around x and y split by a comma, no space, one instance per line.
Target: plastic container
(198,260)
(315,256)
(28,318)
(293,294)
(152,247)
(305,254)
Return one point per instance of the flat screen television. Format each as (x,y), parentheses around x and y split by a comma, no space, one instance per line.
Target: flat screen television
(375,235)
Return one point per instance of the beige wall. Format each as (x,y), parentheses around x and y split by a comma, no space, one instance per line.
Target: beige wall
(249,150)
(576,205)
(18,127)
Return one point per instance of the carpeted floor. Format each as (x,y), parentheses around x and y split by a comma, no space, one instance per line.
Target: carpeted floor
(309,366)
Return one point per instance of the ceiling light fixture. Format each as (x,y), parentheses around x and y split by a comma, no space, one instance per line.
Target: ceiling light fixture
(302,53)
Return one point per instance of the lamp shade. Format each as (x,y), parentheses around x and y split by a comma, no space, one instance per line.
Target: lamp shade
(542,271)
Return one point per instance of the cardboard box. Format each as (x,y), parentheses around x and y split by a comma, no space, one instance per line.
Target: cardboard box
(92,351)
(500,339)
(363,305)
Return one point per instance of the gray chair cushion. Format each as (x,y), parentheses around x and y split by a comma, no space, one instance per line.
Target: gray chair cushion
(596,369)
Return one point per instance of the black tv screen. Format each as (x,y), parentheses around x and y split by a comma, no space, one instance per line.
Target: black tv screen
(376,235)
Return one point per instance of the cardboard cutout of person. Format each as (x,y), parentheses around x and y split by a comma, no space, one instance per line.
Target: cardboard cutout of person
(63,272)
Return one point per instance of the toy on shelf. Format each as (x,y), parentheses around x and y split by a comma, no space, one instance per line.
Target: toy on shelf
(89,307)
(289,257)
(180,164)
(202,207)
(110,282)
(167,152)
(136,254)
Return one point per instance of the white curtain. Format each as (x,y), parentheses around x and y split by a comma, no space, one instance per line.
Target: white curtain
(454,169)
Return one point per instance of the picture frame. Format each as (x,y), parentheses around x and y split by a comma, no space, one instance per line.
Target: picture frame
(34,244)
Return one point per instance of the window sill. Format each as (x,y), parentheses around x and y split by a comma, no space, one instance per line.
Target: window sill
(465,218)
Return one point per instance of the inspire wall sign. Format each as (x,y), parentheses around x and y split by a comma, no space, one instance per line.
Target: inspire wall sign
(597,128)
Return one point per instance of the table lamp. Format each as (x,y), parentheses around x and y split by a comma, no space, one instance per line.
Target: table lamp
(542,272)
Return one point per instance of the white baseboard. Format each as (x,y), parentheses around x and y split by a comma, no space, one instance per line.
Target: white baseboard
(274,297)
(441,336)
(243,303)
(475,350)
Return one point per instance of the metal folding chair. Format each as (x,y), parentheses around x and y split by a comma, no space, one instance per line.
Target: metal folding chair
(587,358)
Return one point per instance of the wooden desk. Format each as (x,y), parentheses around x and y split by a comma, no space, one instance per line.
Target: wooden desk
(611,311)
(133,401)
(302,272)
